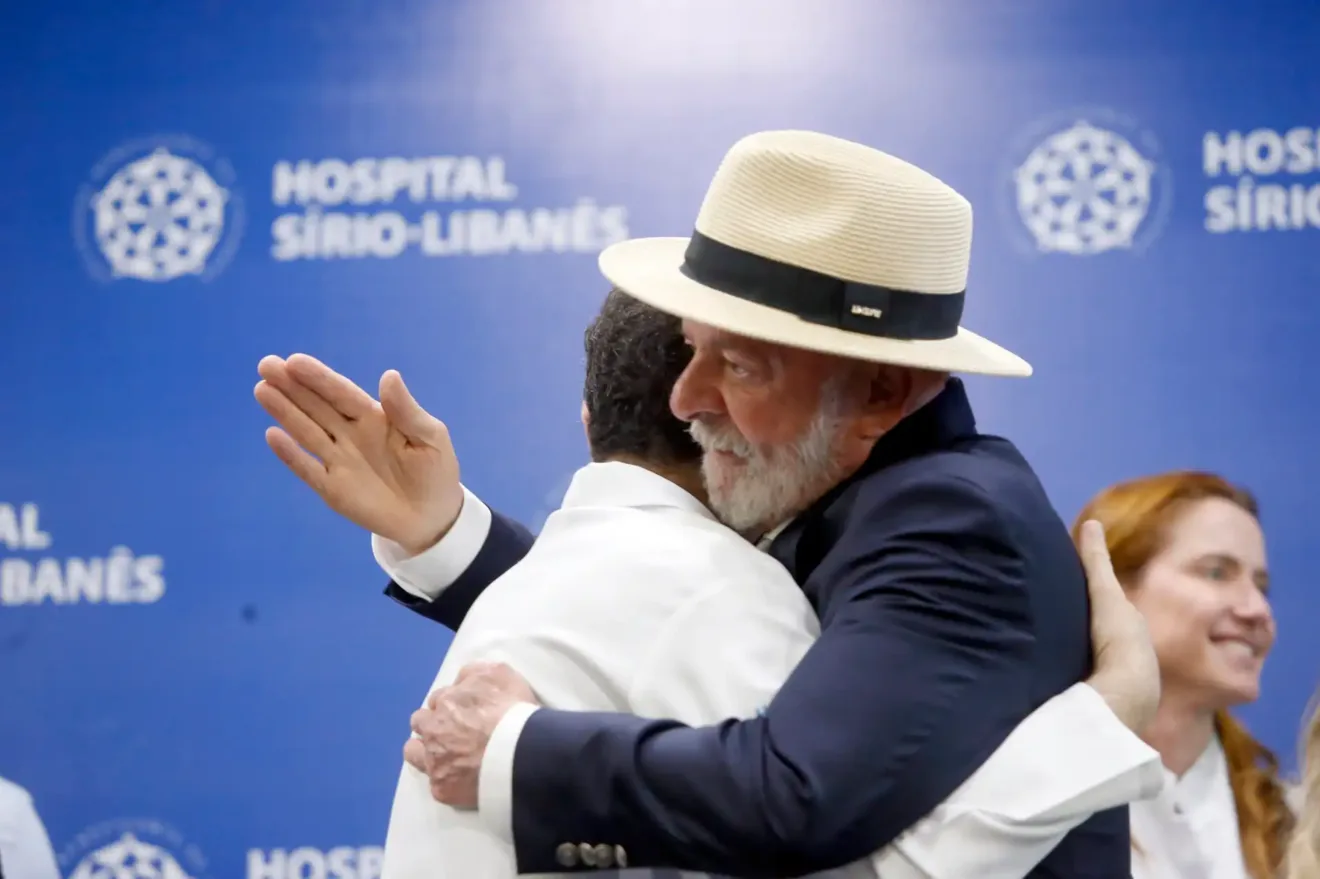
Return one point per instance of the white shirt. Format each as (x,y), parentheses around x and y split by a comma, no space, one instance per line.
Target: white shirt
(635,599)
(25,851)
(1190,830)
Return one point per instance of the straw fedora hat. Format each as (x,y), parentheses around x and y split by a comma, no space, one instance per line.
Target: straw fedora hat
(815,242)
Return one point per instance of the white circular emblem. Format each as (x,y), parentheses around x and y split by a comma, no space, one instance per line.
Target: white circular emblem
(1084,190)
(137,849)
(1090,186)
(158,211)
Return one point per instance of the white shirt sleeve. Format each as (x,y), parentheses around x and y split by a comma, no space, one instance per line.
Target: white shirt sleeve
(1069,759)
(433,571)
(495,782)
(25,851)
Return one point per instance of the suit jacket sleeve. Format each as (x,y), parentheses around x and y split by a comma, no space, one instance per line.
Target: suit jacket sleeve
(442,583)
(922,670)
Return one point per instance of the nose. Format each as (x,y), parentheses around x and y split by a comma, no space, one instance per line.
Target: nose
(696,393)
(1253,606)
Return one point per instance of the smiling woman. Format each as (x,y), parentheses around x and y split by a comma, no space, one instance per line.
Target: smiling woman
(1189,549)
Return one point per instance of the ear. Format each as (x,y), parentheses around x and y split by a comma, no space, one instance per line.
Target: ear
(586,417)
(884,392)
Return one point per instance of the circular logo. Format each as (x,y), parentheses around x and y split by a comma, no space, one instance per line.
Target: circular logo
(156,210)
(1087,183)
(131,849)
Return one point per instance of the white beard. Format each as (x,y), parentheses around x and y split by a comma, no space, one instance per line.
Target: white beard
(768,484)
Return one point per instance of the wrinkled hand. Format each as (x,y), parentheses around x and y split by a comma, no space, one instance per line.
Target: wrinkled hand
(1127,672)
(453,729)
(387,466)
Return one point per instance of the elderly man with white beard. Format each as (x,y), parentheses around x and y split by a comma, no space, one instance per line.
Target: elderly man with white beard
(821,294)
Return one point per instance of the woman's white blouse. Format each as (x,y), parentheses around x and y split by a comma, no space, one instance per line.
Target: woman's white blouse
(1190,831)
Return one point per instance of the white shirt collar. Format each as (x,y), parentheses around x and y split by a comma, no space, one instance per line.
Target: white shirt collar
(1196,784)
(616,484)
(763,543)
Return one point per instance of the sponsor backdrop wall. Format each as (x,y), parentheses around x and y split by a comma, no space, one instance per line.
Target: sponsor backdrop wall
(197,660)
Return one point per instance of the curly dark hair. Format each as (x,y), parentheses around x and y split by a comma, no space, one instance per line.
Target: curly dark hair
(634,355)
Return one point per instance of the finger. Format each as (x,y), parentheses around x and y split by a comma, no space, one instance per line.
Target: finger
(414,754)
(437,698)
(294,419)
(303,465)
(406,414)
(342,395)
(477,669)
(415,721)
(314,406)
(1101,581)
(271,365)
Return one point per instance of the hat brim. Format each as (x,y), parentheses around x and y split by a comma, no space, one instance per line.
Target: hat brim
(648,269)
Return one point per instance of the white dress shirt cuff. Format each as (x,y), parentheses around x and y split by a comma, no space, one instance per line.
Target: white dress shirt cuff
(1070,758)
(432,571)
(1077,759)
(495,783)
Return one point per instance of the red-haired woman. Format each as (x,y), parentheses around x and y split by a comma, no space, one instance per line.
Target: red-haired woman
(1189,550)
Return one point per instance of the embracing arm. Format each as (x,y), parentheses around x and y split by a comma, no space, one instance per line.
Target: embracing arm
(442,582)
(1070,759)
(847,756)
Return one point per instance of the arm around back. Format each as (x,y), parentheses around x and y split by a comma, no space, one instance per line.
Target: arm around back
(922,669)
(442,582)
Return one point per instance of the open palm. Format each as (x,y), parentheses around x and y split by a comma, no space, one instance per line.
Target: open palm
(387,465)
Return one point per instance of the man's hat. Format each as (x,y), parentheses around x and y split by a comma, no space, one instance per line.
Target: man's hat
(815,242)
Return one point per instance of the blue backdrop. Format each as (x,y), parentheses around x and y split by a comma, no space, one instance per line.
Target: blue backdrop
(196,651)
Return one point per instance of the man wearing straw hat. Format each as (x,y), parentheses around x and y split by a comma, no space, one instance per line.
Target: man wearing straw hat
(821,294)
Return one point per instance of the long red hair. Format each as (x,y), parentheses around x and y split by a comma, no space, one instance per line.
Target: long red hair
(1136,515)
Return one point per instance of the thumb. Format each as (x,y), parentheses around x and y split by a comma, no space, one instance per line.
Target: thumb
(1101,581)
(404,412)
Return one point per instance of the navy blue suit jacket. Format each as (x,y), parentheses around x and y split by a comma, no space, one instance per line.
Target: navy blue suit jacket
(952,605)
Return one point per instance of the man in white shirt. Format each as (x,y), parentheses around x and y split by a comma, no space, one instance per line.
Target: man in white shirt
(634,598)
(25,851)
